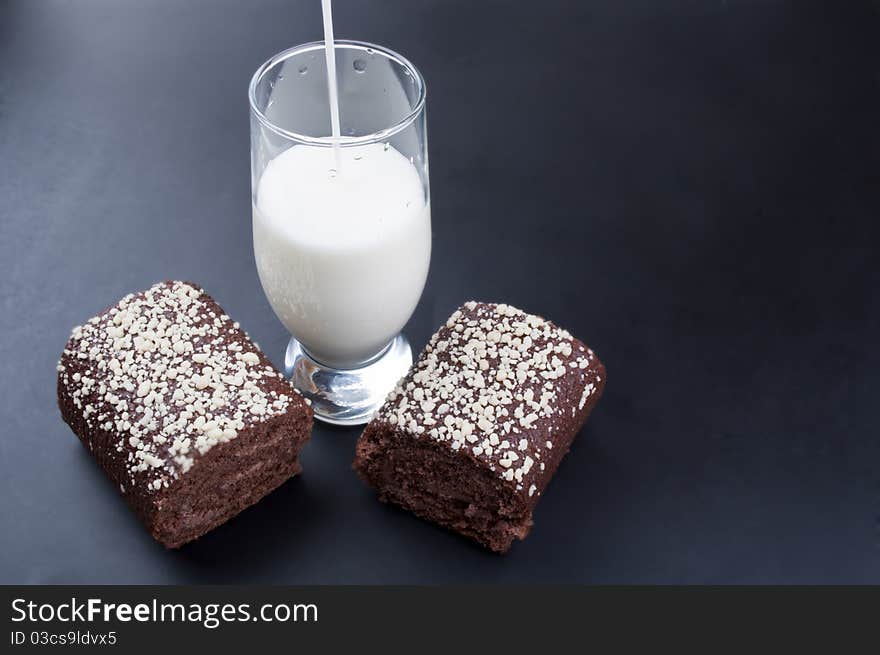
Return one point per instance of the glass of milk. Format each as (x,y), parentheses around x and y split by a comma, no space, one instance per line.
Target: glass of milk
(341,224)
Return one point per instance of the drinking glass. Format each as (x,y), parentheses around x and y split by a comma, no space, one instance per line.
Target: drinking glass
(341,227)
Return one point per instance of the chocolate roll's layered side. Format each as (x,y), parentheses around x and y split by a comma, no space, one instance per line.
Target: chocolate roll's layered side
(181,409)
(472,435)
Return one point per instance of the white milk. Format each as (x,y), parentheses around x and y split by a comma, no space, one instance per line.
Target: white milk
(343,256)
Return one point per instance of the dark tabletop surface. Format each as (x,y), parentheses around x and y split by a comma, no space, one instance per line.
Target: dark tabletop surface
(689,187)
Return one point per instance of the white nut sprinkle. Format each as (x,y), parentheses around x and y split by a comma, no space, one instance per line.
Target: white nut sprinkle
(250,358)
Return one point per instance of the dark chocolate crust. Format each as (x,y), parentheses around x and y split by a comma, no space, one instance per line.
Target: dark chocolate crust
(187,450)
(437,449)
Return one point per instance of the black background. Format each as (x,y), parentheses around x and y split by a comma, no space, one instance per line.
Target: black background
(690,187)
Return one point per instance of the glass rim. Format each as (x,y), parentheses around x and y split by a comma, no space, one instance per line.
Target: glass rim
(344,141)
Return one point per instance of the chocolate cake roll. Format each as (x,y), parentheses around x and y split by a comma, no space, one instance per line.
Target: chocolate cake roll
(181,409)
(471,436)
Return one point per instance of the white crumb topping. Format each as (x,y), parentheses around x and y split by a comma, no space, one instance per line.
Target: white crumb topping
(588,391)
(162,374)
(490,381)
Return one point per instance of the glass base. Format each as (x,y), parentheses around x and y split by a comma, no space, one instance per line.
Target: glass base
(347,396)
